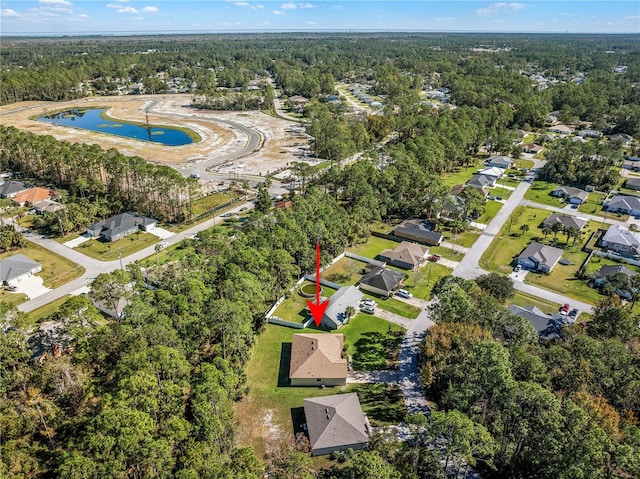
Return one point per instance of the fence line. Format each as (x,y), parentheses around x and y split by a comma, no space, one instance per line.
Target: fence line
(364,259)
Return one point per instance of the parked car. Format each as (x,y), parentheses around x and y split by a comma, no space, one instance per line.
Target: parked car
(574,312)
(574,207)
(499,198)
(163,245)
(11,288)
(434,257)
(369,302)
(244,208)
(518,268)
(403,293)
(368,309)
(565,309)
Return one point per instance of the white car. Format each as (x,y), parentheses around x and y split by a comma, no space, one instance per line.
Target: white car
(163,245)
(403,293)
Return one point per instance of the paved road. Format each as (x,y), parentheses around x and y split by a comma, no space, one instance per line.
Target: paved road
(552,296)
(95,267)
(570,211)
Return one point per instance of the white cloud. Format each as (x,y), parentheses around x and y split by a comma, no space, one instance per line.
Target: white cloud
(242,4)
(84,16)
(632,17)
(278,12)
(257,7)
(288,6)
(305,5)
(499,7)
(150,10)
(128,10)
(310,23)
(7,12)
(55,2)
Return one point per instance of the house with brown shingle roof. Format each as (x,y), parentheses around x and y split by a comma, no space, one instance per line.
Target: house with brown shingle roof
(31,196)
(316,359)
(336,423)
(406,255)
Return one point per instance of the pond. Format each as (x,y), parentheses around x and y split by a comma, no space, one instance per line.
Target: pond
(94,120)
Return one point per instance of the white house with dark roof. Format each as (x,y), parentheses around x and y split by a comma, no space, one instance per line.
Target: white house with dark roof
(629,205)
(120,226)
(539,257)
(336,423)
(17,268)
(316,359)
(588,133)
(574,196)
(335,315)
(620,239)
(503,162)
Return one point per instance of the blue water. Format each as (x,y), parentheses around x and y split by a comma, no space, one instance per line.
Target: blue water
(91,120)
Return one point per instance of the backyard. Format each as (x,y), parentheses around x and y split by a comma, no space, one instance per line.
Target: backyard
(373,247)
(106,251)
(345,271)
(293,308)
(372,342)
(459,176)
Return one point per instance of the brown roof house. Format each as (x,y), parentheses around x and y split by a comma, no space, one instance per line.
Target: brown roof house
(32,195)
(316,359)
(336,423)
(406,255)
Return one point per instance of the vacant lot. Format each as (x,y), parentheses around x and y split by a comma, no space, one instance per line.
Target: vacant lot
(373,247)
(420,282)
(540,193)
(106,251)
(345,271)
(372,342)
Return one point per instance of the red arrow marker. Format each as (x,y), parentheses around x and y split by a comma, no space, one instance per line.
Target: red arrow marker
(317,309)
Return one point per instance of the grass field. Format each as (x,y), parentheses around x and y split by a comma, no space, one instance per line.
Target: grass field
(373,247)
(39,315)
(205,204)
(540,193)
(56,270)
(464,239)
(372,342)
(523,299)
(422,284)
(293,308)
(459,176)
(105,251)
(345,271)
(447,253)
(491,209)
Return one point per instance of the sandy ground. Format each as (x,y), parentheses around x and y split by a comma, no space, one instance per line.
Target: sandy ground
(282,141)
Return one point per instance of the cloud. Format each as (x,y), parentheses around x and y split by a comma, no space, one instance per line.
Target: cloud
(278,12)
(128,10)
(288,6)
(310,23)
(242,4)
(7,12)
(55,2)
(257,7)
(305,5)
(83,16)
(500,7)
(150,10)
(632,17)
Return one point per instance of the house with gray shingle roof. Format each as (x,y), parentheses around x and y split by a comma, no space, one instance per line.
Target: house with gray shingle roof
(336,423)
(629,205)
(620,239)
(335,315)
(16,268)
(574,196)
(481,182)
(119,226)
(381,281)
(548,326)
(565,220)
(418,230)
(11,188)
(316,359)
(632,183)
(503,162)
(539,257)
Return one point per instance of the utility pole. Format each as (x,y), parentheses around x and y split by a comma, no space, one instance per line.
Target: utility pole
(120,259)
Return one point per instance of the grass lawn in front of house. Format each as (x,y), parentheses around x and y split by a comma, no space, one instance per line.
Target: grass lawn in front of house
(13,299)
(373,247)
(345,271)
(523,299)
(491,209)
(56,270)
(105,251)
(459,176)
(505,180)
(528,164)
(464,239)
(394,306)
(372,342)
(593,205)
(421,281)
(294,307)
(540,192)
(506,245)
(447,253)
(382,403)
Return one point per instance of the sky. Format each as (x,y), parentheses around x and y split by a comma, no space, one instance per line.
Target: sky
(39,17)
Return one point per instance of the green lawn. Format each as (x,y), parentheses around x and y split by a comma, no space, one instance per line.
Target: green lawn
(56,270)
(505,180)
(465,239)
(528,164)
(382,403)
(170,254)
(105,251)
(294,307)
(523,299)
(206,203)
(491,209)
(540,193)
(446,253)
(372,342)
(459,176)
(373,247)
(421,284)
(37,316)
(345,271)
(395,306)
(12,298)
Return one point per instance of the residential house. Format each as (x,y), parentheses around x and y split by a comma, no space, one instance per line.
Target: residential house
(532,148)
(406,255)
(17,268)
(631,164)
(381,281)
(620,239)
(418,230)
(283,204)
(565,220)
(336,423)
(560,129)
(336,313)
(574,196)
(632,183)
(608,270)
(32,195)
(120,226)
(481,183)
(629,205)
(11,188)
(316,359)
(492,172)
(548,326)
(47,206)
(590,133)
(503,162)
(623,137)
(539,257)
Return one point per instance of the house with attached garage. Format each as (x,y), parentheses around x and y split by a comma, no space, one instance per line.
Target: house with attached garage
(316,360)
(418,230)
(561,129)
(628,205)
(11,188)
(336,313)
(381,281)
(622,137)
(481,183)
(336,423)
(503,162)
(605,271)
(120,226)
(567,221)
(532,148)
(574,196)
(632,183)
(17,268)
(620,239)
(493,172)
(539,257)
(548,326)
(32,195)
(406,255)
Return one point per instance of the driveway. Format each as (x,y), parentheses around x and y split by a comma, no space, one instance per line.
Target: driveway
(161,233)
(368,377)
(393,318)
(83,238)
(32,287)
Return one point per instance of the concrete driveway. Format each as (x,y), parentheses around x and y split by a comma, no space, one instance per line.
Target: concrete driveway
(83,238)
(32,287)
(162,233)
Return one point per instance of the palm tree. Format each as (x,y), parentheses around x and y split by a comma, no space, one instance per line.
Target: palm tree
(524,228)
(556,228)
(546,231)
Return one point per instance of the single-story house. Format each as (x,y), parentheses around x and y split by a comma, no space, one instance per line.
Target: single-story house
(548,326)
(574,196)
(560,129)
(590,133)
(406,255)
(336,423)
(452,207)
(532,148)
(381,281)
(608,270)
(631,164)
(11,188)
(283,204)
(481,182)
(32,195)
(316,359)
(503,162)
(539,257)
(629,205)
(620,239)
(17,268)
(120,226)
(47,206)
(623,137)
(418,230)
(492,172)
(632,183)
(565,220)
(335,315)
